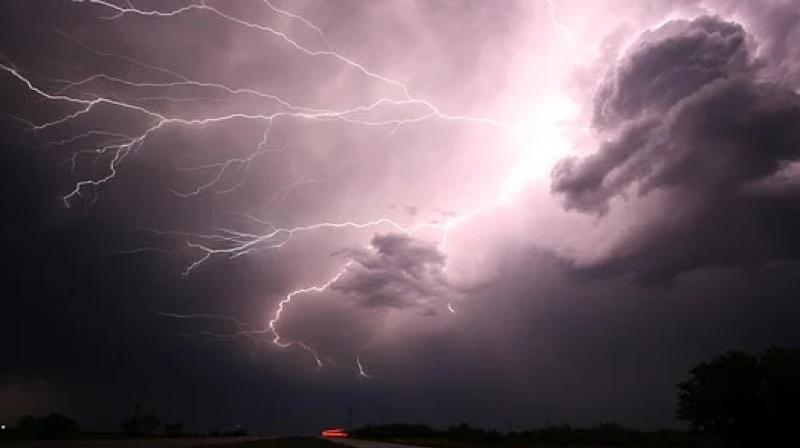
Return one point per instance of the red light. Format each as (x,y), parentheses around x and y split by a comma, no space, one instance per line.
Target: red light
(334,433)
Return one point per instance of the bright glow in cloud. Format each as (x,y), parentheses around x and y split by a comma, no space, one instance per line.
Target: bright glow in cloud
(540,140)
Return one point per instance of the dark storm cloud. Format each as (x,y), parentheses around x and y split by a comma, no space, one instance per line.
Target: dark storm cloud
(669,64)
(397,271)
(777,24)
(693,121)
(783,25)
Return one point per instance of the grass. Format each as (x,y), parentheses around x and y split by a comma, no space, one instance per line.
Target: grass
(464,436)
(286,442)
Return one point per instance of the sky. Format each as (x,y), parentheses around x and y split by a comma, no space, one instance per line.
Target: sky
(512,213)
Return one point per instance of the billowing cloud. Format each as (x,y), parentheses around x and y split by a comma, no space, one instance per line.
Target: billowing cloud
(776,23)
(396,271)
(670,63)
(690,117)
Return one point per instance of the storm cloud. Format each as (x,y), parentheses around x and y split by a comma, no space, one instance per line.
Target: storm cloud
(396,271)
(688,117)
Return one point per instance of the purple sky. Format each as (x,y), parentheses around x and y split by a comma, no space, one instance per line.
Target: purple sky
(509,213)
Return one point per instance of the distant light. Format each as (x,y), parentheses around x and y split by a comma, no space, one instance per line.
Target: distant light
(335,433)
(2,427)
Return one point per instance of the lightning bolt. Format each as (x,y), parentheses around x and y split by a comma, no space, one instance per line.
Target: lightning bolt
(361,371)
(450,308)
(241,328)
(554,20)
(272,325)
(302,20)
(114,147)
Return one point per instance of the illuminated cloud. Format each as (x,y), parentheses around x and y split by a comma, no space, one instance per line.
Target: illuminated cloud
(668,64)
(396,271)
(690,117)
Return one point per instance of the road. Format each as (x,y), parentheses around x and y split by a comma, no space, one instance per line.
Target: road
(354,443)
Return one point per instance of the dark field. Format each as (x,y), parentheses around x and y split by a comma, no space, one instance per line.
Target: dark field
(180,442)
(286,442)
(464,436)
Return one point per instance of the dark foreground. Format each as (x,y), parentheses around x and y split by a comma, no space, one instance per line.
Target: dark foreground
(465,436)
(434,443)
(355,443)
(179,442)
(278,442)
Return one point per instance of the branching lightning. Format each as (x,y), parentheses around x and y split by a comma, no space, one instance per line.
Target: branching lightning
(240,328)
(114,147)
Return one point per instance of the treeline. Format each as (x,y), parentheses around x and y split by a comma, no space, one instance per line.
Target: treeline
(52,426)
(464,435)
(59,427)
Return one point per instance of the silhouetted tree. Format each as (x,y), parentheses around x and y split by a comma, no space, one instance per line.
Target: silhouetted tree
(53,426)
(746,399)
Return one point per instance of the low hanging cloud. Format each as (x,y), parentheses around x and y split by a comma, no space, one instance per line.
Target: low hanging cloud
(691,113)
(396,271)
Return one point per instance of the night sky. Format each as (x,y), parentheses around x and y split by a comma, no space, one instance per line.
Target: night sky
(510,213)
